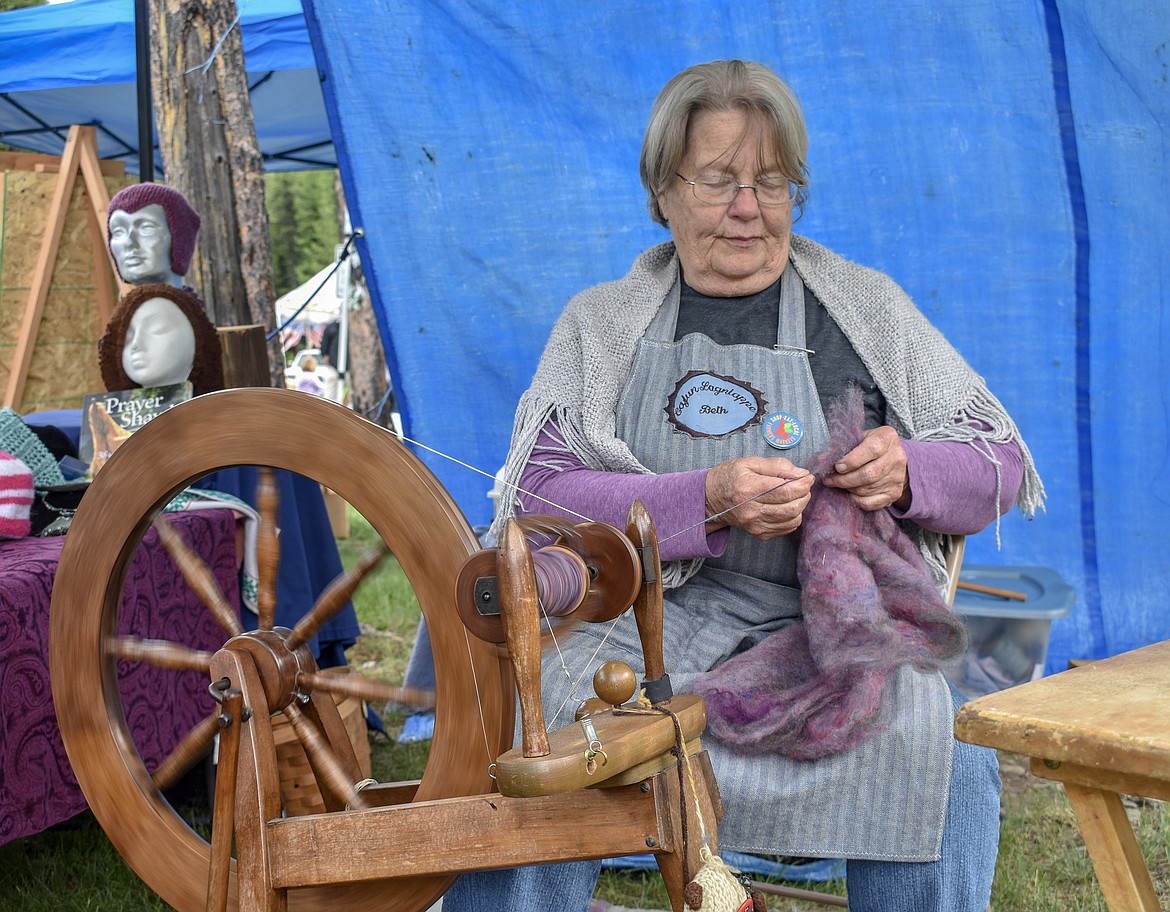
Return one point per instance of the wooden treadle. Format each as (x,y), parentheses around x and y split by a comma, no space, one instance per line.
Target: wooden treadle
(626,739)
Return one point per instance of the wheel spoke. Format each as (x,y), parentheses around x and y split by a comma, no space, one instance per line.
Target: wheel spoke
(323,761)
(267,546)
(159,653)
(355,685)
(193,746)
(336,594)
(198,576)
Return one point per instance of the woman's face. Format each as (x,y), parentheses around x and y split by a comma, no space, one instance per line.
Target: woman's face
(141,244)
(735,248)
(160,344)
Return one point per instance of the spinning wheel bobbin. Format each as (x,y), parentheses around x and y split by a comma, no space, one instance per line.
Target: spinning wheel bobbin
(562,580)
(593,561)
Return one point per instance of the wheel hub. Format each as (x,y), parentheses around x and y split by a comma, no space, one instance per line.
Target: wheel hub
(276,664)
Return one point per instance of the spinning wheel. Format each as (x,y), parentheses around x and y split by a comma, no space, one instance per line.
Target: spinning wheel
(408,508)
(390,845)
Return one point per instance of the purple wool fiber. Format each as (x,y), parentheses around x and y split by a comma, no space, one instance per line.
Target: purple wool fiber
(869,605)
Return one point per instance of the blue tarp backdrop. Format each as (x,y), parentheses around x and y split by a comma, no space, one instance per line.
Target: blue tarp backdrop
(1006,162)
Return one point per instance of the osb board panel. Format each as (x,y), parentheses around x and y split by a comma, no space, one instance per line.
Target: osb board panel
(64,363)
(36,161)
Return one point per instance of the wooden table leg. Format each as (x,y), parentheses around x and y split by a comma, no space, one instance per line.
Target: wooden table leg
(1118,861)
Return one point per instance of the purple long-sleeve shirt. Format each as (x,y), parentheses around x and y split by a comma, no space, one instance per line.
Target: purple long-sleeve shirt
(953,491)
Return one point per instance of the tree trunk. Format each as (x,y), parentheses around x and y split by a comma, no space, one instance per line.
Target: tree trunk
(369,391)
(210,154)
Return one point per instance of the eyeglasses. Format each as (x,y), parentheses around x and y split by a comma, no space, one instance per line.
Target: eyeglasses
(770,191)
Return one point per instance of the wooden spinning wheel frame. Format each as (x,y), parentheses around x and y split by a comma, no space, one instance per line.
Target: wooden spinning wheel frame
(368,468)
(402,843)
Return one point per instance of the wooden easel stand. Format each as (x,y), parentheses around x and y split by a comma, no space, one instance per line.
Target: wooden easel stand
(80,154)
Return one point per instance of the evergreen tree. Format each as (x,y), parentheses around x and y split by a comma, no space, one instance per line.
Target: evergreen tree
(302,218)
(282,228)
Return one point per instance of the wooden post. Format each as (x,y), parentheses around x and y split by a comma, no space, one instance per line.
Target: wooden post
(245,357)
(106,288)
(520,611)
(100,201)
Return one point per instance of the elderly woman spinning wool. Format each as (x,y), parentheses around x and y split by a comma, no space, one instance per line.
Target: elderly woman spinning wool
(805,442)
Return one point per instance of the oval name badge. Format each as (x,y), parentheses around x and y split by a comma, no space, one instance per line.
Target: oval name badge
(782,431)
(704,404)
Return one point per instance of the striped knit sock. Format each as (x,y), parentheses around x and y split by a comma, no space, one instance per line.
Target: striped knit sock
(16,496)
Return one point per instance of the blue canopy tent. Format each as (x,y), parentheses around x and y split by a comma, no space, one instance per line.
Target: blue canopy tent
(1007,163)
(75,63)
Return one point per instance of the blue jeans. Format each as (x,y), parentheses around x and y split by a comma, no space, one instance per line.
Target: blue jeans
(960,881)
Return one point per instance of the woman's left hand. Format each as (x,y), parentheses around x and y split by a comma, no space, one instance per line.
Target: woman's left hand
(874,472)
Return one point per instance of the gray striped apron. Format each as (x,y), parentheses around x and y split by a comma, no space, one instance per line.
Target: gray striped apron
(886,798)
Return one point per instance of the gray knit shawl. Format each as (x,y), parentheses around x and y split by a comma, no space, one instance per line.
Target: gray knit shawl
(931,392)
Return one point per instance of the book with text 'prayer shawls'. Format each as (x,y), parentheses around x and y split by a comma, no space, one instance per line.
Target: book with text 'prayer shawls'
(109,418)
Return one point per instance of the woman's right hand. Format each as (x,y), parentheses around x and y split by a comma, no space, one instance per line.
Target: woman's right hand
(764,496)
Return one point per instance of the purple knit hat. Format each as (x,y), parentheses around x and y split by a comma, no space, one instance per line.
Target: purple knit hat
(182,220)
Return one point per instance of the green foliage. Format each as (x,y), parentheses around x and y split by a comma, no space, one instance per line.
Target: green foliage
(303,224)
(6,5)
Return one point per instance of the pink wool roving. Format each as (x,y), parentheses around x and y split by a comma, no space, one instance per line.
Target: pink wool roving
(869,604)
(16,497)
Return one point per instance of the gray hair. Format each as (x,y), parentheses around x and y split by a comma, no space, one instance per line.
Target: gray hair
(722,85)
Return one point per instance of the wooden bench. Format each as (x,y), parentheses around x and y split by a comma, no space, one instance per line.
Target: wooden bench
(1103,730)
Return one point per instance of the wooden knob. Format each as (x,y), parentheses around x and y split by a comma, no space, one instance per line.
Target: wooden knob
(615,682)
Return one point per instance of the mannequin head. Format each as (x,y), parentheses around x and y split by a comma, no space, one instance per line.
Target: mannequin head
(159,335)
(160,344)
(151,230)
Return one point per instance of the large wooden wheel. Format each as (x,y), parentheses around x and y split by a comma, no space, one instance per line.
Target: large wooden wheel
(417,520)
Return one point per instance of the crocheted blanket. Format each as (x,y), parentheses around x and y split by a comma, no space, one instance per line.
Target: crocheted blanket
(869,605)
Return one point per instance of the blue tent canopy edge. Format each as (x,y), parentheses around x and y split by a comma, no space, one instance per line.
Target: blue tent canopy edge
(75,63)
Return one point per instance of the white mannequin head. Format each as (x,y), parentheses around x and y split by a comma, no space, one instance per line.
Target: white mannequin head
(160,344)
(141,244)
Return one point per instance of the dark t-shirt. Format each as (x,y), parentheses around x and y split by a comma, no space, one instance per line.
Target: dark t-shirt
(753,320)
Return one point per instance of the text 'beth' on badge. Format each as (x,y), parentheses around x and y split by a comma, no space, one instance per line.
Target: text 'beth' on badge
(782,431)
(704,404)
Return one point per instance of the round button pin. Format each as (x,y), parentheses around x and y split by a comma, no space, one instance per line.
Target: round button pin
(782,431)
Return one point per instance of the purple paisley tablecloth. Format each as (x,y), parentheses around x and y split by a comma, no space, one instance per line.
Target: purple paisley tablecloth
(37,787)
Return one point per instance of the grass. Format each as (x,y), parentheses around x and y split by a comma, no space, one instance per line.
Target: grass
(1043,866)
(70,868)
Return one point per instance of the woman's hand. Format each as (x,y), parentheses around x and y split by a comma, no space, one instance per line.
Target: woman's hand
(768,495)
(874,472)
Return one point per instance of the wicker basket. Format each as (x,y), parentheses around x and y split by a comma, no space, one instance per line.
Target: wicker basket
(298,788)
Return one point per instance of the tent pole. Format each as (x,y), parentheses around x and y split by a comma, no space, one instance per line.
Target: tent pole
(343,318)
(145,110)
